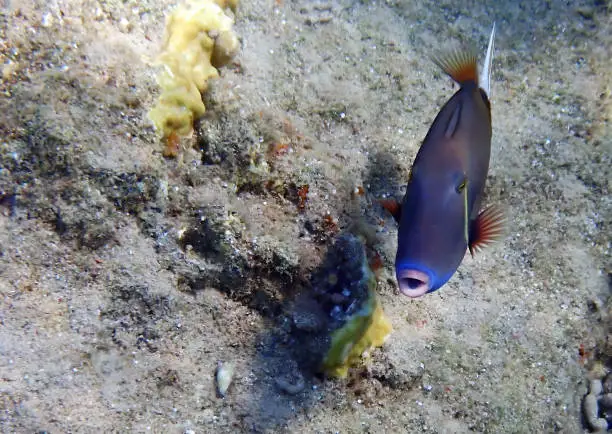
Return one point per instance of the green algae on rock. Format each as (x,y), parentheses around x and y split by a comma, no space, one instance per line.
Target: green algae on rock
(345,295)
(366,329)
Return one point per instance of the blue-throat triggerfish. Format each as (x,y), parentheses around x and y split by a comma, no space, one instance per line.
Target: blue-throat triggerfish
(439,218)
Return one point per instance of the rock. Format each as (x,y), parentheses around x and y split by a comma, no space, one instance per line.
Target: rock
(606,401)
(591,414)
(600,425)
(607,384)
(596,387)
(586,12)
(290,387)
(308,315)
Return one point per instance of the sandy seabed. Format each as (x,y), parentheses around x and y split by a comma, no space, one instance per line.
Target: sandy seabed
(110,322)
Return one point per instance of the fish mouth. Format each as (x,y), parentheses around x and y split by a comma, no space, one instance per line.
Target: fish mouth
(413,283)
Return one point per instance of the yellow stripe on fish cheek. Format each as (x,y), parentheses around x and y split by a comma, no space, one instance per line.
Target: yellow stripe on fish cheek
(465,213)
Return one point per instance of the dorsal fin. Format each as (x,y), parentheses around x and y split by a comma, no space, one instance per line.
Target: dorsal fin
(485,75)
(459,65)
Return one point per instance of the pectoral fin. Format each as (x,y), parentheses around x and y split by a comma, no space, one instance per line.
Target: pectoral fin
(489,227)
(393,207)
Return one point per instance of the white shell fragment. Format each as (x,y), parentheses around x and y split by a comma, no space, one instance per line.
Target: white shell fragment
(224,376)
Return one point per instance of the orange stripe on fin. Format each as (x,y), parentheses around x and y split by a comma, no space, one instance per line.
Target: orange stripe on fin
(490,226)
(459,65)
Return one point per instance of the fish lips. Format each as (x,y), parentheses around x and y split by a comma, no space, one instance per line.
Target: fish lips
(414,282)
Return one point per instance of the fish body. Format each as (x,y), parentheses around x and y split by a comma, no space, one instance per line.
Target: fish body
(439,215)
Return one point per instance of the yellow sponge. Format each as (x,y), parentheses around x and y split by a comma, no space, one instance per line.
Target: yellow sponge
(199,39)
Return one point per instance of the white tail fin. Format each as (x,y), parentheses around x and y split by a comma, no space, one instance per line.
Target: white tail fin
(485,74)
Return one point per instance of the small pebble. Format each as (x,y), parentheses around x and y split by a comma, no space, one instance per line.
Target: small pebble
(290,388)
(125,26)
